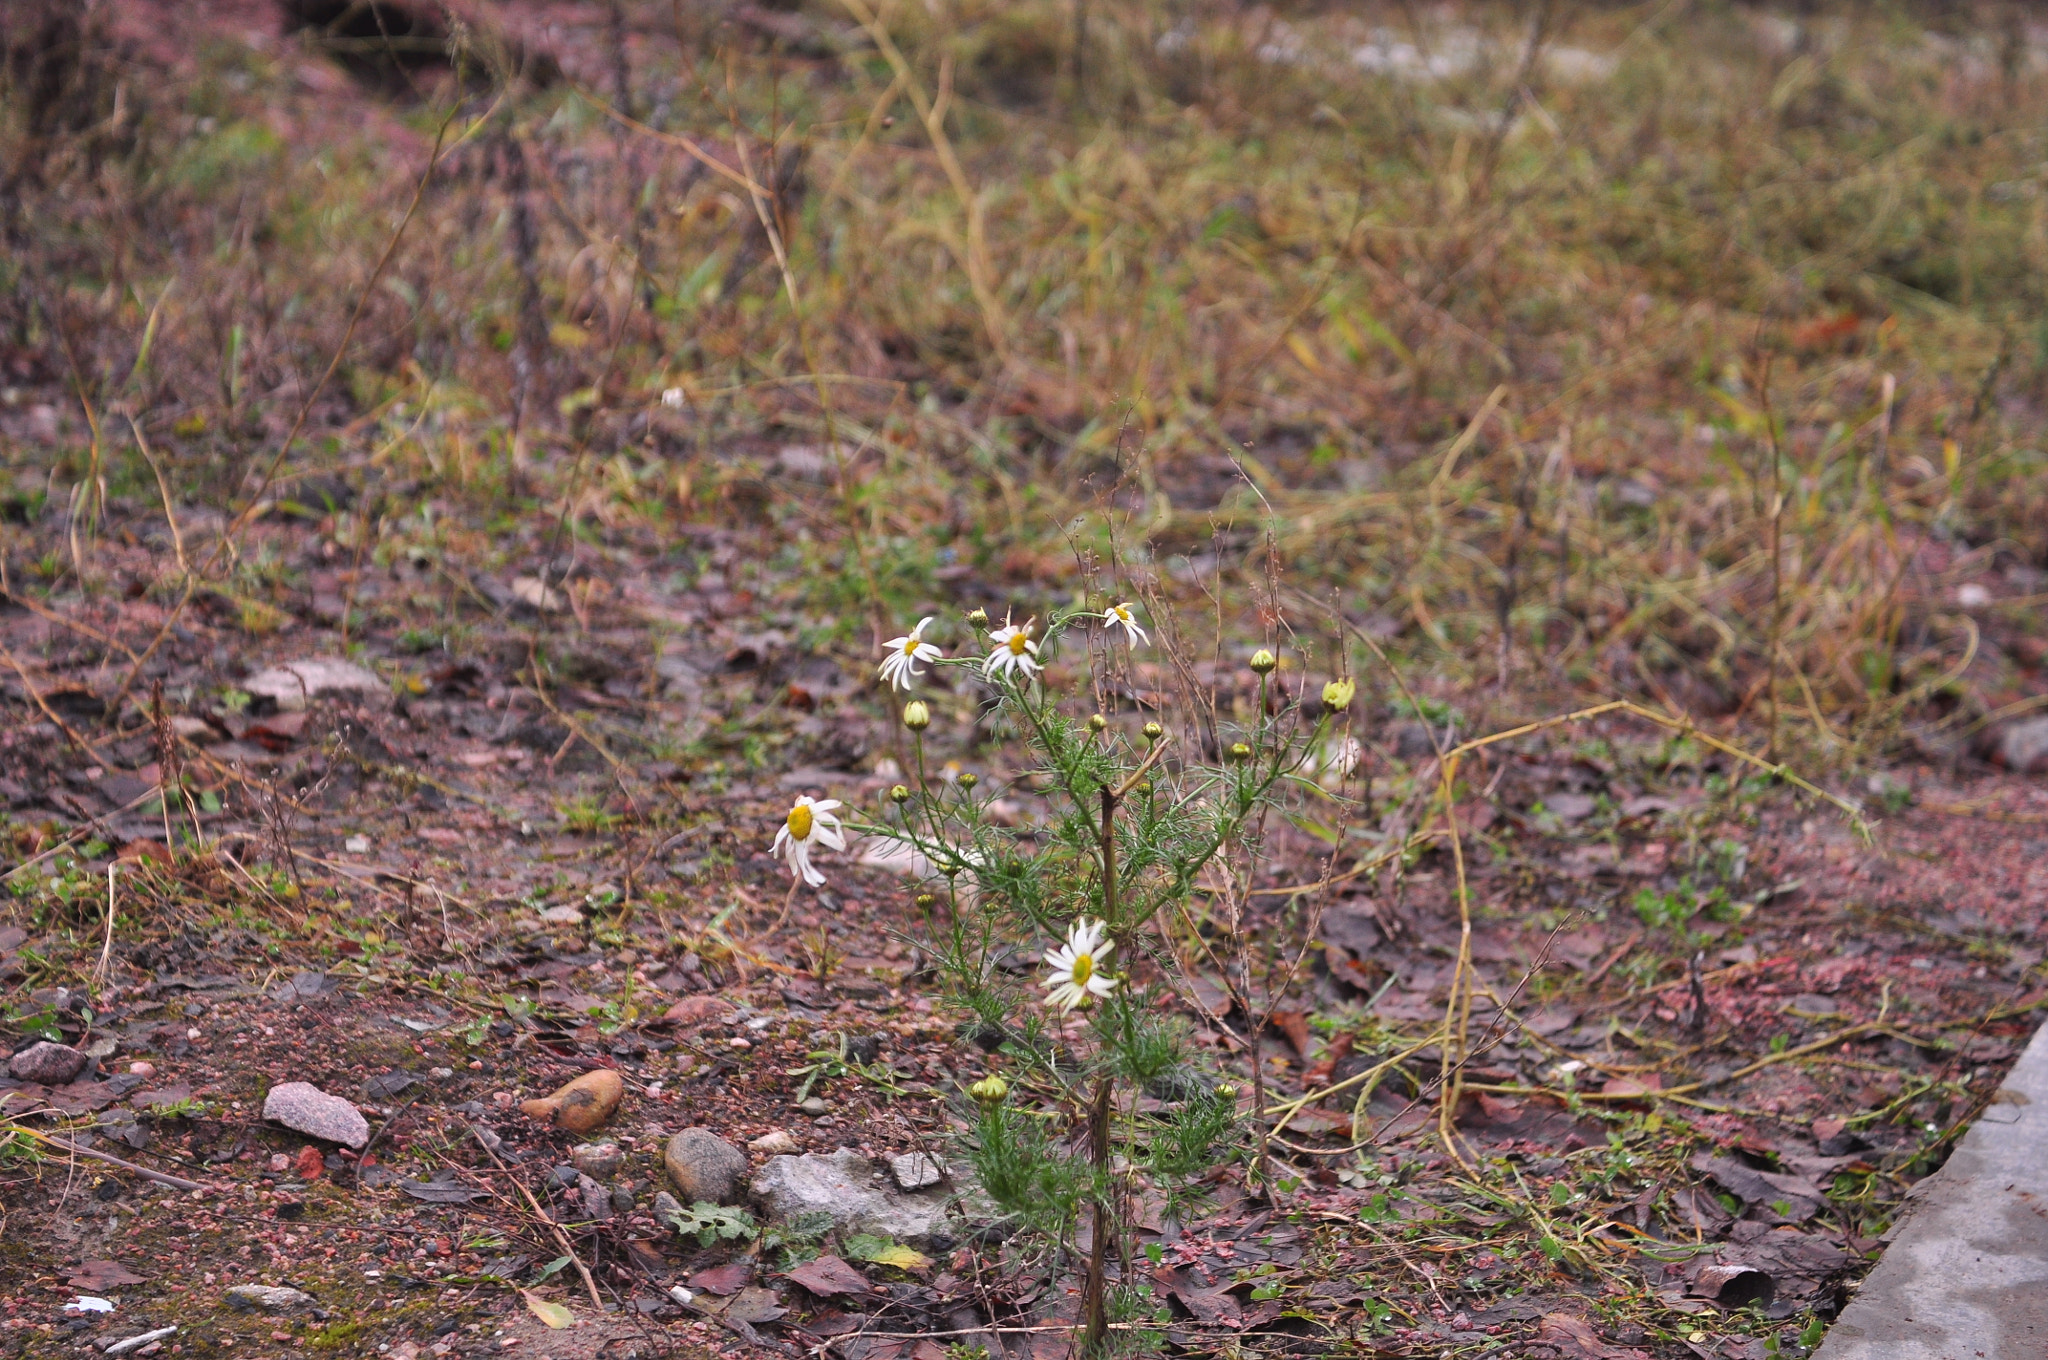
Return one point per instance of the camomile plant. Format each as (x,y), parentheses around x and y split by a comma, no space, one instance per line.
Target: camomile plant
(1054,931)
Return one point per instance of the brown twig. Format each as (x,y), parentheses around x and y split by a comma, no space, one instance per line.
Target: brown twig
(561,1238)
(159,1177)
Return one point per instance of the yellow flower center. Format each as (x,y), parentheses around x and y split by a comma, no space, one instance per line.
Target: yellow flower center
(910,645)
(800,821)
(1084,968)
(1017,643)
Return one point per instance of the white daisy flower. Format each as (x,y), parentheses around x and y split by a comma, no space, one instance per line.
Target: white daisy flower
(901,655)
(809,823)
(1014,651)
(1120,616)
(1077,966)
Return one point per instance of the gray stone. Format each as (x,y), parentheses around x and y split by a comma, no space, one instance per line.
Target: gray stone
(665,1206)
(705,1167)
(775,1143)
(599,1161)
(296,683)
(270,1298)
(46,1063)
(1967,1270)
(2023,746)
(848,1187)
(916,1171)
(305,1108)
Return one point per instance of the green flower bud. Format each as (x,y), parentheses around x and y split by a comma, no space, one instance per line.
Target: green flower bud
(899,794)
(979,618)
(968,779)
(1096,722)
(925,902)
(1239,753)
(1153,731)
(1337,695)
(916,716)
(990,1090)
(1264,662)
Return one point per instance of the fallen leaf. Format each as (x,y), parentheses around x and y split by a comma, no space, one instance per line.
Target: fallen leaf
(535,593)
(697,1010)
(553,1314)
(1800,1196)
(729,1278)
(753,1305)
(440,1192)
(899,1257)
(828,1275)
(1735,1285)
(1578,1341)
(1293,1024)
(137,851)
(96,1276)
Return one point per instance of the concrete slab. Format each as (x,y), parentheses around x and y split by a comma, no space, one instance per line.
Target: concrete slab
(1966,1274)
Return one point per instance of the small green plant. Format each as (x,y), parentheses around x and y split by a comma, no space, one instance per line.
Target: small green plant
(798,1239)
(1104,1097)
(587,816)
(712,1223)
(828,1063)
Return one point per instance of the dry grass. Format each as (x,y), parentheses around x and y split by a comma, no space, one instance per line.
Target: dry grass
(1680,353)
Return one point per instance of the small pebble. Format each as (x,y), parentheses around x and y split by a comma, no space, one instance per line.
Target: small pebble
(142,1069)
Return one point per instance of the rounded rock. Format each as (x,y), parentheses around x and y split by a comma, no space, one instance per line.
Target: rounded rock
(270,1298)
(599,1161)
(46,1064)
(705,1168)
(776,1143)
(304,1108)
(585,1105)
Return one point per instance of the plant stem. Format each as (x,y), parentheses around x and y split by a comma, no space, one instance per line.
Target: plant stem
(1095,1289)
